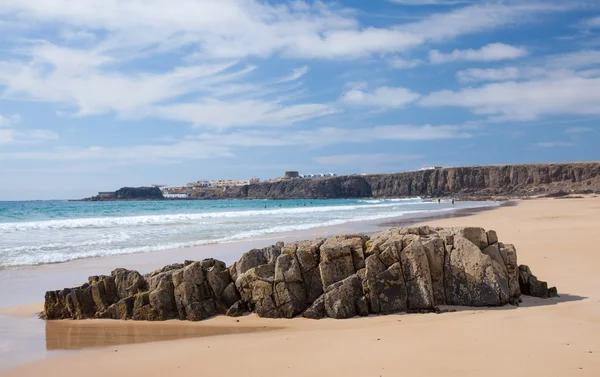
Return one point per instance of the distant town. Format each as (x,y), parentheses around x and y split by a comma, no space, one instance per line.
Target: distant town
(177,192)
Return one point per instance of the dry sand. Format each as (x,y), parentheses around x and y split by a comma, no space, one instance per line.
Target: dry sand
(558,239)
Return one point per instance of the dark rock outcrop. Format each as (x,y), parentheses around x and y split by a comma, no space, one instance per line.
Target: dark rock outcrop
(398,270)
(129,193)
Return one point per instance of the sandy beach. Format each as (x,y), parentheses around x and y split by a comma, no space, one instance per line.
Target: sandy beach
(555,337)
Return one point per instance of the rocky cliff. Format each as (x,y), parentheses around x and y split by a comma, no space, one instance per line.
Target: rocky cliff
(475,181)
(398,270)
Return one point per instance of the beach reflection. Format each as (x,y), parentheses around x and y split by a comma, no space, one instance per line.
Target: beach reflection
(73,335)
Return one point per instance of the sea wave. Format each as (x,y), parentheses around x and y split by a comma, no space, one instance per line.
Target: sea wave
(59,253)
(127,221)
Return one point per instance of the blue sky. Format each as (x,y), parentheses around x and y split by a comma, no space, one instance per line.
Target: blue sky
(99,94)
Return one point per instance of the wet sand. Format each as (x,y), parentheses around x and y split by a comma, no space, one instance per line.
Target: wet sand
(556,337)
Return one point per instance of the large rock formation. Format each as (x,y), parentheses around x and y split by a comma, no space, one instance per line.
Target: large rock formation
(397,270)
(470,182)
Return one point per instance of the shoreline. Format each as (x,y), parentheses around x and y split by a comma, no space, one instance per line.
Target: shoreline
(542,230)
(351,225)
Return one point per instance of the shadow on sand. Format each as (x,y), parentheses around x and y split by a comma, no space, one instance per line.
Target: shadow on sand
(528,302)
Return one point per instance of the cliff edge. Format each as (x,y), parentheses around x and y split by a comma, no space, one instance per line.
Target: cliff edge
(471,182)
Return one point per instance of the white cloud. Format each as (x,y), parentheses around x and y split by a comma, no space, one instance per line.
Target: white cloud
(490,52)
(9,120)
(233,29)
(295,75)
(365,159)
(79,78)
(221,28)
(91,66)
(189,150)
(382,97)
(430,2)
(501,74)
(592,23)
(578,130)
(577,59)
(9,135)
(528,100)
(221,145)
(478,18)
(402,63)
(238,113)
(558,65)
(554,144)
(490,74)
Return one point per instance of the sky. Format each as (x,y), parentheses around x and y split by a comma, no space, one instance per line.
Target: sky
(100,94)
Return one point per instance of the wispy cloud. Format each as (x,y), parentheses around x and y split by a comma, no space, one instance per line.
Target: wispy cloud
(554,144)
(490,52)
(9,120)
(578,130)
(11,135)
(529,100)
(295,75)
(402,63)
(223,145)
(382,97)
(369,159)
(430,2)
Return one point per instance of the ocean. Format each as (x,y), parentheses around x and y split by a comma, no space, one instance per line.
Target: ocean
(42,232)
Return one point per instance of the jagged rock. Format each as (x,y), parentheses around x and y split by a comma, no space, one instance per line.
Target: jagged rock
(316,310)
(553,292)
(477,236)
(79,302)
(362,307)
(162,296)
(390,290)
(237,309)
(374,267)
(230,295)
(492,237)
(256,289)
(397,270)
(308,255)
(341,298)
(257,257)
(122,309)
(104,291)
(531,286)
(339,256)
(128,283)
(509,257)
(470,277)
(290,295)
(218,279)
(417,276)
(435,250)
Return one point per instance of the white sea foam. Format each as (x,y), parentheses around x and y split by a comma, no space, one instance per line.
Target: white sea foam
(55,241)
(103,222)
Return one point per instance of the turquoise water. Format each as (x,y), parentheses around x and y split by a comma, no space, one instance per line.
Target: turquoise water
(39,232)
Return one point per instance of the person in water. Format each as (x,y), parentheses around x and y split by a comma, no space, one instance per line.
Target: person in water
(439,201)
(452,202)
